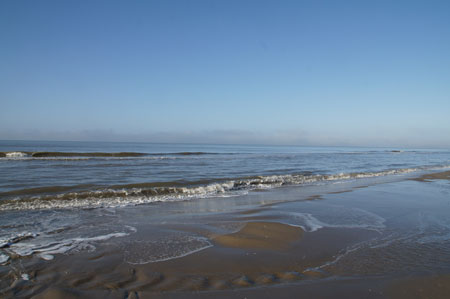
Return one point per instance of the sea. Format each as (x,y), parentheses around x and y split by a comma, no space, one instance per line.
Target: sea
(58,197)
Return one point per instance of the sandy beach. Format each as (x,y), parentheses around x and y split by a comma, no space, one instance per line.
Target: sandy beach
(264,254)
(224,149)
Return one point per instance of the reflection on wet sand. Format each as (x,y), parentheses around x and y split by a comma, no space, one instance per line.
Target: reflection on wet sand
(381,241)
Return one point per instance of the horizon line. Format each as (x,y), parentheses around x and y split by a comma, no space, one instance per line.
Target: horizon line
(226,144)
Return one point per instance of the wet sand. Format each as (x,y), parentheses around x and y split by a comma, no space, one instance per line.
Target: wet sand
(263,258)
(433,286)
(434,176)
(261,235)
(271,254)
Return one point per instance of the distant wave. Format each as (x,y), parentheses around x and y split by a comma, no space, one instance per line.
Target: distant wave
(187,153)
(135,194)
(20,154)
(163,155)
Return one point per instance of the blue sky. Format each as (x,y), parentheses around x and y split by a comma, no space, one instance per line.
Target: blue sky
(372,73)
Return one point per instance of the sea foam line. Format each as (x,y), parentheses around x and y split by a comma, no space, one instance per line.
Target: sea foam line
(46,250)
(136,196)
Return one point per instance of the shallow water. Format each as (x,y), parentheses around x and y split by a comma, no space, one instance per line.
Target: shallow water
(73,205)
(49,175)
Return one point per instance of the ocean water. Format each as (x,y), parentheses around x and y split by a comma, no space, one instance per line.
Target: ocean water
(60,197)
(49,175)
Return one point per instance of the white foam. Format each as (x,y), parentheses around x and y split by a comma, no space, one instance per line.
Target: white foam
(334,217)
(16,155)
(5,242)
(135,196)
(101,238)
(45,248)
(47,257)
(308,222)
(3,258)
(131,228)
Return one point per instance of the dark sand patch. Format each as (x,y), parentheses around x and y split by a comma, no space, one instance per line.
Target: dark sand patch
(424,287)
(252,211)
(340,192)
(434,176)
(314,197)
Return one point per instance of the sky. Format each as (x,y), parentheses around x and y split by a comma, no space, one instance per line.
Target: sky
(368,73)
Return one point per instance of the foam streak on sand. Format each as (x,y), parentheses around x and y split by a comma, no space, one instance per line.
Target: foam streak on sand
(343,218)
(46,249)
(164,249)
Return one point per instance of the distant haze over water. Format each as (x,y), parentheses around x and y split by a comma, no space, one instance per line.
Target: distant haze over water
(310,73)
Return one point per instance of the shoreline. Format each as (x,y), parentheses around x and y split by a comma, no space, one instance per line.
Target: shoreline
(262,253)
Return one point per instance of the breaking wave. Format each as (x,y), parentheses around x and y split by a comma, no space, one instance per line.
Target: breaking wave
(157,192)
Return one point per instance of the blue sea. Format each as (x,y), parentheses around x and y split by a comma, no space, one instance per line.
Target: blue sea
(66,197)
(55,175)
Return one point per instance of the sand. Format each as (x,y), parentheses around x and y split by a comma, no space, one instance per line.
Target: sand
(433,286)
(434,176)
(262,235)
(264,258)
(260,254)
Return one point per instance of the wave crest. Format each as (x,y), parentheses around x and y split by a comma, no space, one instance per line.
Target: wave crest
(114,197)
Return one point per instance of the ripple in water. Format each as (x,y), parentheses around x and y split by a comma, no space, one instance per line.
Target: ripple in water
(163,249)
